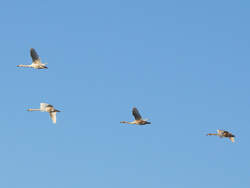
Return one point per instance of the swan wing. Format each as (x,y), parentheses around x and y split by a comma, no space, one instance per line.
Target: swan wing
(35,57)
(53,117)
(232,139)
(136,114)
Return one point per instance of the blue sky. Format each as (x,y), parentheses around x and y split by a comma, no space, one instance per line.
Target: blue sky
(183,64)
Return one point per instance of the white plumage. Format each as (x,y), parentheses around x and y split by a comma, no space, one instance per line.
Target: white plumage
(44,107)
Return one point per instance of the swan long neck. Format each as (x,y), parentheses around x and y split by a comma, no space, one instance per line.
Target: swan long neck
(211,134)
(127,122)
(32,109)
(24,65)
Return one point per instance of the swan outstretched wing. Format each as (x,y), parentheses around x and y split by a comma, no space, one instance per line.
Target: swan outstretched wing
(34,56)
(232,139)
(53,117)
(136,114)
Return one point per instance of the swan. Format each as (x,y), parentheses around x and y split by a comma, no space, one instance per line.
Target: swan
(44,107)
(225,134)
(36,61)
(138,119)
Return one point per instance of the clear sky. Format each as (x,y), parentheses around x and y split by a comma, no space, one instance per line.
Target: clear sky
(184,64)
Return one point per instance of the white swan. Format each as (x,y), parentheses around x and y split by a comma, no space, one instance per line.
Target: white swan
(138,119)
(222,133)
(44,107)
(36,62)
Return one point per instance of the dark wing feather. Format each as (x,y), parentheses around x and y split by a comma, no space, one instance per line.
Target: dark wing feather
(34,55)
(228,134)
(136,114)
